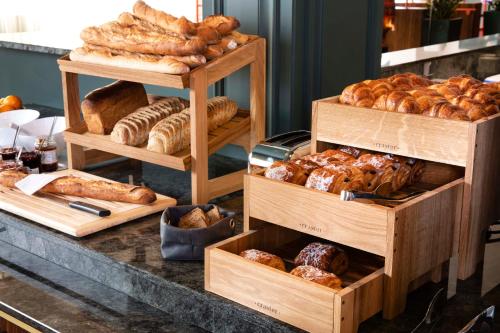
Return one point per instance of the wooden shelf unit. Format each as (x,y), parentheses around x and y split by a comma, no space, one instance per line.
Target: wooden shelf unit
(246,129)
(470,145)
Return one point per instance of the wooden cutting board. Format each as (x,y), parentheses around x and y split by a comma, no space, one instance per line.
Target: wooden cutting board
(59,216)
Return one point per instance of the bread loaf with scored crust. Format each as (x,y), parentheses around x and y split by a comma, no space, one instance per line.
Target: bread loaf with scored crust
(133,130)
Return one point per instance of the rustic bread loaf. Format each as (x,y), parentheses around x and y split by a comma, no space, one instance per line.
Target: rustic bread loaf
(104,107)
(173,133)
(133,130)
(316,275)
(264,258)
(326,257)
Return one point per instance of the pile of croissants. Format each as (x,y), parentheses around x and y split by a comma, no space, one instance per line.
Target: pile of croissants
(460,97)
(347,168)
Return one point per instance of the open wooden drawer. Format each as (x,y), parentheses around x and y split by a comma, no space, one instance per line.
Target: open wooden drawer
(415,237)
(301,303)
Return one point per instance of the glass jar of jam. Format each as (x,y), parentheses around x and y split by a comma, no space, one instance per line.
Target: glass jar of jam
(31,160)
(9,153)
(46,147)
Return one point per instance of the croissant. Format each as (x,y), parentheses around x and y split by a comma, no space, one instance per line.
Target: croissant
(358,94)
(448,91)
(286,172)
(424,92)
(474,109)
(384,166)
(401,82)
(337,155)
(446,110)
(371,175)
(379,87)
(485,98)
(463,82)
(331,180)
(427,101)
(397,101)
(355,180)
(403,170)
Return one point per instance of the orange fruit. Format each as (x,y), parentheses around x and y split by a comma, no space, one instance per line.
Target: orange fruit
(6,107)
(13,101)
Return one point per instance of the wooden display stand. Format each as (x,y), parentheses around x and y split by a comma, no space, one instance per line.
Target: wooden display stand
(246,129)
(472,146)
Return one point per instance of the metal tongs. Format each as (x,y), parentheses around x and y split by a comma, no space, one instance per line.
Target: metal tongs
(383,192)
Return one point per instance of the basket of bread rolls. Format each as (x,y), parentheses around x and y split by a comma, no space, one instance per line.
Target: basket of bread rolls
(187,230)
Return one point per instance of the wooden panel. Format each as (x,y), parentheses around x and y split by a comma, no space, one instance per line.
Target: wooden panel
(258,94)
(404,134)
(408,29)
(13,325)
(481,194)
(181,160)
(226,184)
(61,217)
(278,294)
(321,214)
(111,72)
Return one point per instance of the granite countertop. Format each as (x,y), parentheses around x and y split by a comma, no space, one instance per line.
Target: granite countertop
(41,41)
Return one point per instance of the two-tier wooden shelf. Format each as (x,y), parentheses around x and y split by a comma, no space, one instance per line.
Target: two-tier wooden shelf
(246,129)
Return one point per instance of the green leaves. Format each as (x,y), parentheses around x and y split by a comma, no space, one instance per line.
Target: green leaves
(443,9)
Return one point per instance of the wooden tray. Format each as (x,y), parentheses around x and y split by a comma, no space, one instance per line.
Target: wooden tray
(218,138)
(471,145)
(73,222)
(304,304)
(415,238)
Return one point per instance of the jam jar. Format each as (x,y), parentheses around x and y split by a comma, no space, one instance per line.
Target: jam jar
(9,153)
(46,147)
(31,161)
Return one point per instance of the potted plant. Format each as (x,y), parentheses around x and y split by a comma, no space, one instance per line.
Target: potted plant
(492,18)
(441,26)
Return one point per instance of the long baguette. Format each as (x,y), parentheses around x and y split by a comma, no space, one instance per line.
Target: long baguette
(168,22)
(79,187)
(133,38)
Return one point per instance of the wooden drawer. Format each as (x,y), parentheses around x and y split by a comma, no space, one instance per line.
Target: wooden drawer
(472,145)
(301,303)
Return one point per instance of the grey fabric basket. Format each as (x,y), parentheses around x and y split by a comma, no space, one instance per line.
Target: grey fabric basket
(189,244)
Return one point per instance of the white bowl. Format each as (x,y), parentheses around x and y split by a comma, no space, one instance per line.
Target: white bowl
(7,138)
(18,117)
(41,127)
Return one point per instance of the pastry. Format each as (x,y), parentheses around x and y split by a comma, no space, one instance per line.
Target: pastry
(286,172)
(397,101)
(401,82)
(358,94)
(327,179)
(104,107)
(323,256)
(379,87)
(264,258)
(181,26)
(194,219)
(95,189)
(308,165)
(316,275)
(463,82)
(485,98)
(474,109)
(133,130)
(448,91)
(173,133)
(446,110)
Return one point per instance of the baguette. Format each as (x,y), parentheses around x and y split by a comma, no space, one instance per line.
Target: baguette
(223,24)
(131,61)
(173,133)
(240,38)
(104,107)
(133,38)
(181,26)
(213,51)
(133,130)
(79,187)
(194,60)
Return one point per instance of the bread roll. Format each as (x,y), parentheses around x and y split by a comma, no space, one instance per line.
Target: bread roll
(323,256)
(181,26)
(104,107)
(264,258)
(173,133)
(316,275)
(133,130)
(95,189)
(286,172)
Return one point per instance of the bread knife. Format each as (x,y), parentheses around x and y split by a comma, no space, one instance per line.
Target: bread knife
(79,205)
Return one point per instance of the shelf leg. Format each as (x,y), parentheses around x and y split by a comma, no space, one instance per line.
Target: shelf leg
(199,137)
(71,97)
(258,95)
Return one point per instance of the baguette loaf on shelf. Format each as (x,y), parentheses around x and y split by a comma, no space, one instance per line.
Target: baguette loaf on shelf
(104,107)
(172,134)
(133,130)
(460,97)
(95,189)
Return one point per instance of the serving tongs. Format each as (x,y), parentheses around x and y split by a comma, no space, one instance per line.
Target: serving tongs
(383,193)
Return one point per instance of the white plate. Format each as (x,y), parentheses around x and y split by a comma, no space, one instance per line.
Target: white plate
(41,127)
(18,117)
(7,138)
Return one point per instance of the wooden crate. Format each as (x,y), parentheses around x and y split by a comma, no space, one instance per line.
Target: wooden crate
(302,303)
(471,145)
(246,129)
(415,238)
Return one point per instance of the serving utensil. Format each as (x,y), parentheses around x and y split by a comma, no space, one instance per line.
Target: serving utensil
(79,205)
(383,192)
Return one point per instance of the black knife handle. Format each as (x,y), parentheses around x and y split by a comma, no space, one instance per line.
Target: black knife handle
(86,207)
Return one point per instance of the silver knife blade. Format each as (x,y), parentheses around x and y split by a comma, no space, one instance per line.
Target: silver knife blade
(79,205)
